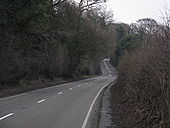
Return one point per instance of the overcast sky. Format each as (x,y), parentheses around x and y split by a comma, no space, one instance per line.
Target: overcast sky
(129,11)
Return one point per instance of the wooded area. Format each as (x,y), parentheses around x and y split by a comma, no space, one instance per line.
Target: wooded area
(65,39)
(49,39)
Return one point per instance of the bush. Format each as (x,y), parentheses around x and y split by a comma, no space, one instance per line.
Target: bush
(144,85)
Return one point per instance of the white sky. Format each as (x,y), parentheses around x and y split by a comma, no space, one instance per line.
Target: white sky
(129,11)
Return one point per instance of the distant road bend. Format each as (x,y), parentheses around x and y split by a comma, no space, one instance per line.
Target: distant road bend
(63,106)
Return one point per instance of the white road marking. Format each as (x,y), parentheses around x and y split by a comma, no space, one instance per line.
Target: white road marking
(11,97)
(79,85)
(91,106)
(85,83)
(43,89)
(6,116)
(41,101)
(71,88)
(60,93)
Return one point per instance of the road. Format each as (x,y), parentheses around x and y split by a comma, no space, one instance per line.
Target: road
(63,106)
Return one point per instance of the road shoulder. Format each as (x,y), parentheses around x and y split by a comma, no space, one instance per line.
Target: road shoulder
(101,115)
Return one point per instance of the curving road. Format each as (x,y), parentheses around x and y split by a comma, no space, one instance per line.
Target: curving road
(62,106)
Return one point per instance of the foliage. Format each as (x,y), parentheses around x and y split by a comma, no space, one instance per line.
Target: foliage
(129,37)
(49,39)
(143,82)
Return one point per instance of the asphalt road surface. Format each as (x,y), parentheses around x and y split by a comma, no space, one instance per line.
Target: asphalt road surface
(62,106)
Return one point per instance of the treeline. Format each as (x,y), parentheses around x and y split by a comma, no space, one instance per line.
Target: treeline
(141,96)
(46,38)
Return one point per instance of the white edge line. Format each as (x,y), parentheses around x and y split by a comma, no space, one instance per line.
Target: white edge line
(60,93)
(106,66)
(41,101)
(91,107)
(6,116)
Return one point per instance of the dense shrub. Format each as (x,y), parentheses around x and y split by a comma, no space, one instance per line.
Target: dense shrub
(144,84)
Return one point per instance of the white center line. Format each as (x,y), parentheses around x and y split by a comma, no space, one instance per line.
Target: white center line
(6,116)
(71,88)
(60,93)
(41,101)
